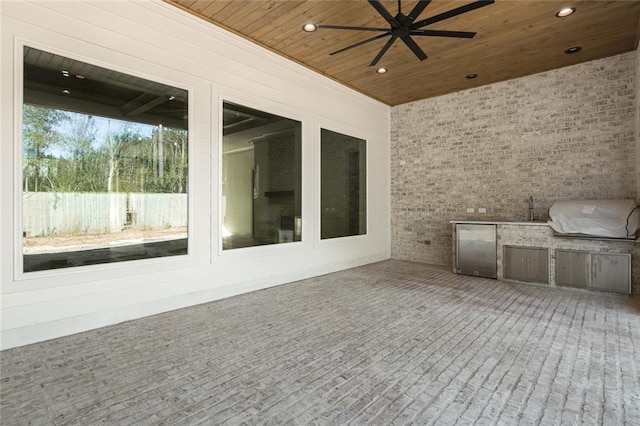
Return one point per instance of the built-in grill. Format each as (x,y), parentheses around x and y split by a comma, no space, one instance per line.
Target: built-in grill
(618,219)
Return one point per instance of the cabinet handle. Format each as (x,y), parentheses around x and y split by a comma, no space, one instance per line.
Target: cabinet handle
(522,263)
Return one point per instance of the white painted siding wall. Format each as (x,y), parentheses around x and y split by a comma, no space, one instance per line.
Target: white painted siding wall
(156,41)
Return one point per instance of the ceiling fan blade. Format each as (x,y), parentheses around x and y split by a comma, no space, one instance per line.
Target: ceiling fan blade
(417,10)
(451,13)
(346,27)
(383,50)
(384,13)
(443,33)
(414,47)
(360,43)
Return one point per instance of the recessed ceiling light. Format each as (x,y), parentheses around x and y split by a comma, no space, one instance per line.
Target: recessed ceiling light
(80,77)
(66,91)
(382,70)
(565,11)
(574,49)
(309,27)
(65,73)
(470,76)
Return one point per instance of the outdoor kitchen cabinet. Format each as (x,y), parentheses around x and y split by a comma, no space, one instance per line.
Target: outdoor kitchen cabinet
(599,271)
(530,264)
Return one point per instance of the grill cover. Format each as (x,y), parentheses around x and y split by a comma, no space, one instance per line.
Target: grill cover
(598,218)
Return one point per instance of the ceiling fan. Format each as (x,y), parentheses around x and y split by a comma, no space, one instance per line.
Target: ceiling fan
(403,27)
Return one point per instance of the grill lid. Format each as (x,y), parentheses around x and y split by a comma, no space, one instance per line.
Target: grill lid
(601,218)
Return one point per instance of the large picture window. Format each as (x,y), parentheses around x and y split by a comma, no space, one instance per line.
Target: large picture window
(104,165)
(343,181)
(261,178)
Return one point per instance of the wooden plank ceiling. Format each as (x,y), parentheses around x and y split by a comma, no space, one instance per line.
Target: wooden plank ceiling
(514,38)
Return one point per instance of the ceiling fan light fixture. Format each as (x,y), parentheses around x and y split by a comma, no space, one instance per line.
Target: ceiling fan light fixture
(565,11)
(382,70)
(470,76)
(310,27)
(574,49)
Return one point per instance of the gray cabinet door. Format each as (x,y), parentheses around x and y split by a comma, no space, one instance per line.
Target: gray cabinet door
(514,263)
(529,264)
(573,268)
(538,265)
(600,271)
(611,272)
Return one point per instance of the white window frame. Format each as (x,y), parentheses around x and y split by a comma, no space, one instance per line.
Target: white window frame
(75,275)
(356,133)
(218,254)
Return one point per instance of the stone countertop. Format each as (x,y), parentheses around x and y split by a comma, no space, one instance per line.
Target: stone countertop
(566,236)
(499,222)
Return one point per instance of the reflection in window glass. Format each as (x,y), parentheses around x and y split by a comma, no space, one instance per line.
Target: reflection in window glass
(261,178)
(343,180)
(104,165)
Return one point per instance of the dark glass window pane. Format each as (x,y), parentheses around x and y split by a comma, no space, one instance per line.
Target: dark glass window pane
(343,184)
(104,165)
(261,183)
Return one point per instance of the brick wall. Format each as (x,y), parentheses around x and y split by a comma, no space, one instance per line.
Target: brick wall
(282,178)
(276,164)
(563,134)
(282,163)
(636,255)
(638,122)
